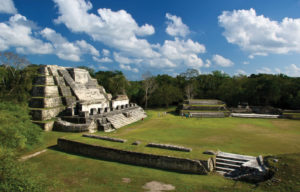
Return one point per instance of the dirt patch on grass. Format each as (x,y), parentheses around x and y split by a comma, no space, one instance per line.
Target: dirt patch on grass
(156,186)
(24,158)
(126,180)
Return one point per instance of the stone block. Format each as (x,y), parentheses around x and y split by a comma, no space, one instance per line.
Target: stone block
(69,100)
(45,91)
(65,91)
(59,81)
(45,114)
(46,102)
(84,114)
(43,80)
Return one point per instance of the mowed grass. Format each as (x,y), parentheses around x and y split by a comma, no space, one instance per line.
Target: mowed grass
(72,172)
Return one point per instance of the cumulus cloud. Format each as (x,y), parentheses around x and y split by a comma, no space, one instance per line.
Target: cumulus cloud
(128,68)
(116,29)
(17,33)
(222,61)
(7,6)
(240,72)
(67,50)
(293,70)
(102,60)
(105,52)
(175,26)
(183,52)
(260,35)
(265,70)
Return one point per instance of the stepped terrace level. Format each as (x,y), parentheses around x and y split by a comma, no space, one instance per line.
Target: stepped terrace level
(203,108)
(68,99)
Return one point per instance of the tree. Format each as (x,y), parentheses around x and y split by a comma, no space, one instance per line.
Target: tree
(149,86)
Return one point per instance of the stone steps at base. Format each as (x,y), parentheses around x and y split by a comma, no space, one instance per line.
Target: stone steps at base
(229,165)
(229,161)
(225,169)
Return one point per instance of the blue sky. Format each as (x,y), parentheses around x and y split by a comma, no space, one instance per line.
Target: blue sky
(170,36)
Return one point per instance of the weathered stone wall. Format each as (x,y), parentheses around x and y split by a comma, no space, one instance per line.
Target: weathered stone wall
(136,158)
(45,114)
(45,91)
(43,80)
(46,102)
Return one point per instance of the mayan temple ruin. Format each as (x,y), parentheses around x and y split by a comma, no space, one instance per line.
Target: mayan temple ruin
(203,108)
(68,99)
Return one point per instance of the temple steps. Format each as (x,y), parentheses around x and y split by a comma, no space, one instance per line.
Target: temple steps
(228,162)
(120,120)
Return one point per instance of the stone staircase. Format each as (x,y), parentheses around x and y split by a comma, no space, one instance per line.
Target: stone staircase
(229,162)
(120,120)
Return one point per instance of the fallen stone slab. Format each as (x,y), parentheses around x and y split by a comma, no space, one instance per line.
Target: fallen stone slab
(168,146)
(105,138)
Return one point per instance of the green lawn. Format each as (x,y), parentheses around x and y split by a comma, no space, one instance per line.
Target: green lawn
(71,172)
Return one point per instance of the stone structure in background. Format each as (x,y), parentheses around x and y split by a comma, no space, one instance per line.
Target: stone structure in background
(68,99)
(203,108)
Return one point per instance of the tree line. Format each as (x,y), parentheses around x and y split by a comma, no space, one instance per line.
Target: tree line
(282,91)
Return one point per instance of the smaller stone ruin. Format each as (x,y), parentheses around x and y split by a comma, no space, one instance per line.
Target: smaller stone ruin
(241,167)
(203,108)
(68,99)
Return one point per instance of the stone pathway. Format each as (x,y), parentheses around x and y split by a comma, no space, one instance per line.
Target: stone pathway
(24,158)
(156,186)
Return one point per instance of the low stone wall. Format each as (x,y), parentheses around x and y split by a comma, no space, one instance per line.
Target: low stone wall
(105,138)
(170,147)
(135,158)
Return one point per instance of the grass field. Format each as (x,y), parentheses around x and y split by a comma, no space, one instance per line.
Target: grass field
(279,137)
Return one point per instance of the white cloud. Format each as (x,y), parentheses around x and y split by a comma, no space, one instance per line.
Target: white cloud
(116,29)
(277,70)
(65,49)
(7,6)
(240,72)
(246,62)
(265,70)
(102,60)
(222,61)
(105,52)
(17,33)
(128,68)
(119,31)
(175,26)
(207,63)
(260,35)
(293,70)
(183,52)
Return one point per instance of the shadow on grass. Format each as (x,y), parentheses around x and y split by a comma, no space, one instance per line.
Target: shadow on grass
(56,148)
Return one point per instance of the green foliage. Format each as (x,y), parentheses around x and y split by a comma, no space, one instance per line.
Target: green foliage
(17,132)
(15,176)
(16,129)
(16,84)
